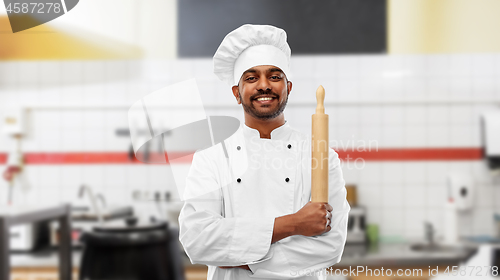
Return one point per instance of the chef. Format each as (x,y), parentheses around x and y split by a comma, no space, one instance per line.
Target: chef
(247,211)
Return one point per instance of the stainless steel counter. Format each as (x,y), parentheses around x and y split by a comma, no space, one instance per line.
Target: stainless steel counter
(402,255)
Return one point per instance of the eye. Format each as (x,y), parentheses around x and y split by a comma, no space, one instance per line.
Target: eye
(275,78)
(250,79)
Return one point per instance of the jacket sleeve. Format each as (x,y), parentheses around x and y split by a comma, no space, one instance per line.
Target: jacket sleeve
(298,255)
(208,237)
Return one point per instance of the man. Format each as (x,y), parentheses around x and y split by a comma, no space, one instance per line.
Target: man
(252,217)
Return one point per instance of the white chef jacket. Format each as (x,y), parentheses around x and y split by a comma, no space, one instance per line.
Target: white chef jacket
(232,201)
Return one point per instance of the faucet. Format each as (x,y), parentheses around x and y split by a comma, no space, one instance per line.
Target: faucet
(93,201)
(102,199)
(429,233)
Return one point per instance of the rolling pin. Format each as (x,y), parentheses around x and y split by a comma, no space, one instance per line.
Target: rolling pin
(319,147)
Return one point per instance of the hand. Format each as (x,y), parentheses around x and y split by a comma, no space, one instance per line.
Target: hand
(241,266)
(312,219)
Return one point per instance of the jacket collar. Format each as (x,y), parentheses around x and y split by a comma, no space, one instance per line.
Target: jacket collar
(280,133)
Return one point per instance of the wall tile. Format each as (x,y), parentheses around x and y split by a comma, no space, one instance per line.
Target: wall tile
(50,73)
(415,136)
(9,71)
(483,221)
(349,115)
(393,195)
(375,216)
(461,65)
(392,221)
(393,136)
(348,89)
(324,66)
(438,136)
(93,71)
(347,66)
(50,139)
(392,173)
(460,88)
(29,73)
(71,177)
(438,65)
(415,64)
(93,95)
(483,65)
(392,89)
(371,174)
(414,219)
(371,66)
(461,115)
(93,177)
(370,137)
(415,173)
(50,177)
(71,139)
(484,88)
(438,89)
(484,196)
(481,172)
(415,115)
(461,136)
(415,88)
(72,119)
(370,89)
(392,115)
(415,196)
(437,172)
(72,72)
(370,195)
(71,96)
(436,195)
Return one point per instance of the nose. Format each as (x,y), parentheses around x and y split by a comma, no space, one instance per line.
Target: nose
(263,84)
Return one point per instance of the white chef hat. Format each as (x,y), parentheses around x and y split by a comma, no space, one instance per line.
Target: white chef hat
(248,46)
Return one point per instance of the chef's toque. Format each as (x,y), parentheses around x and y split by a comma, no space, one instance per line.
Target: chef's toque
(248,46)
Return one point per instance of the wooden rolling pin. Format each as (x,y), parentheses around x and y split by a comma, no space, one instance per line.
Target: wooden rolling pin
(319,146)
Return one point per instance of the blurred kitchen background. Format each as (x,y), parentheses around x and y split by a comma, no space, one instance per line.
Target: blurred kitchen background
(412,90)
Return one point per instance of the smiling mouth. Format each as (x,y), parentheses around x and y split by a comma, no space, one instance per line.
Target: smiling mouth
(264,98)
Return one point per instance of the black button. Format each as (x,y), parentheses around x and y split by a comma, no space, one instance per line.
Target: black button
(238,180)
(238,148)
(287,180)
(289,146)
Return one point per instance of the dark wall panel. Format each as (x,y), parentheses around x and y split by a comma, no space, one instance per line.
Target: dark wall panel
(313,26)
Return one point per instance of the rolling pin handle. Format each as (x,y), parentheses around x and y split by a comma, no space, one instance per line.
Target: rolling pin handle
(320,98)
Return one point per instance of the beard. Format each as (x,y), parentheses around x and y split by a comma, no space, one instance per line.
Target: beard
(251,110)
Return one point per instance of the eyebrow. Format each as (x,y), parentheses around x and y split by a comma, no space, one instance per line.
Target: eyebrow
(270,70)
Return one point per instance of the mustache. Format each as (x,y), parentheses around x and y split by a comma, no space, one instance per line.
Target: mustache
(268,93)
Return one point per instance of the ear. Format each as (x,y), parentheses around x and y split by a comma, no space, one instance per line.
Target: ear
(236,93)
(289,85)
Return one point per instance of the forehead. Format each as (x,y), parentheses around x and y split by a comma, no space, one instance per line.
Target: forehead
(263,69)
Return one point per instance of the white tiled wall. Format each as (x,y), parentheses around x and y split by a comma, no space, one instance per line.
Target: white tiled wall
(392,101)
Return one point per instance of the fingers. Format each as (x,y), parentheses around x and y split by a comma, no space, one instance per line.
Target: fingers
(328,207)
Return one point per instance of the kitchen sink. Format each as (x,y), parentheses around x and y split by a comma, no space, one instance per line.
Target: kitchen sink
(436,248)
(110,213)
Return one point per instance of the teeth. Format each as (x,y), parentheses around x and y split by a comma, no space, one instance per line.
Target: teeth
(264,98)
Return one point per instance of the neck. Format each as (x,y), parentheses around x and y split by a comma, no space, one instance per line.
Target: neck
(265,127)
